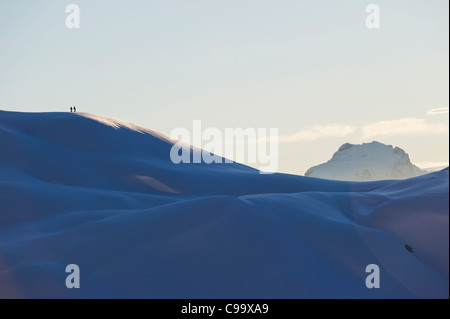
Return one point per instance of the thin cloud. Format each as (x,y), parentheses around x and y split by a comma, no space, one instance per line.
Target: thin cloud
(405,126)
(442,110)
(317,132)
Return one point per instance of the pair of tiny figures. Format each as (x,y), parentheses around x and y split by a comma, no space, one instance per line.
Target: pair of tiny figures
(73,109)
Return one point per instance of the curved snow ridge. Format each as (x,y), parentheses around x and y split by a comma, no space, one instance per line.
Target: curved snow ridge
(103,194)
(117,124)
(221,247)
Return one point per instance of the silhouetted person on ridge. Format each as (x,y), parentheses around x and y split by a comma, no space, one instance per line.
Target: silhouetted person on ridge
(74,109)
(70,109)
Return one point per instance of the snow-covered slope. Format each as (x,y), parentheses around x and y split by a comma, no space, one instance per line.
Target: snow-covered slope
(103,194)
(366,162)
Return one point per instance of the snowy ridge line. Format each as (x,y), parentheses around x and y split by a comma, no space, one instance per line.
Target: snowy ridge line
(105,196)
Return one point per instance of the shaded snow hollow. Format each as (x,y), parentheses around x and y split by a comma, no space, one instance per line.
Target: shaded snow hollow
(103,194)
(366,162)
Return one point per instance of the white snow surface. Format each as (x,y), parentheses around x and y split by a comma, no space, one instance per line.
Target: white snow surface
(366,162)
(103,194)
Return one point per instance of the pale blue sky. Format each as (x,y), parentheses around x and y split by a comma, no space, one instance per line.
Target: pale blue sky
(287,64)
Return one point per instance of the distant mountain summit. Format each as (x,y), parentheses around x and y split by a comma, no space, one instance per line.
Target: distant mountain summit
(366,162)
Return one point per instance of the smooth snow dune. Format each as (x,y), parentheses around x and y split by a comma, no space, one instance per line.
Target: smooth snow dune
(103,194)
